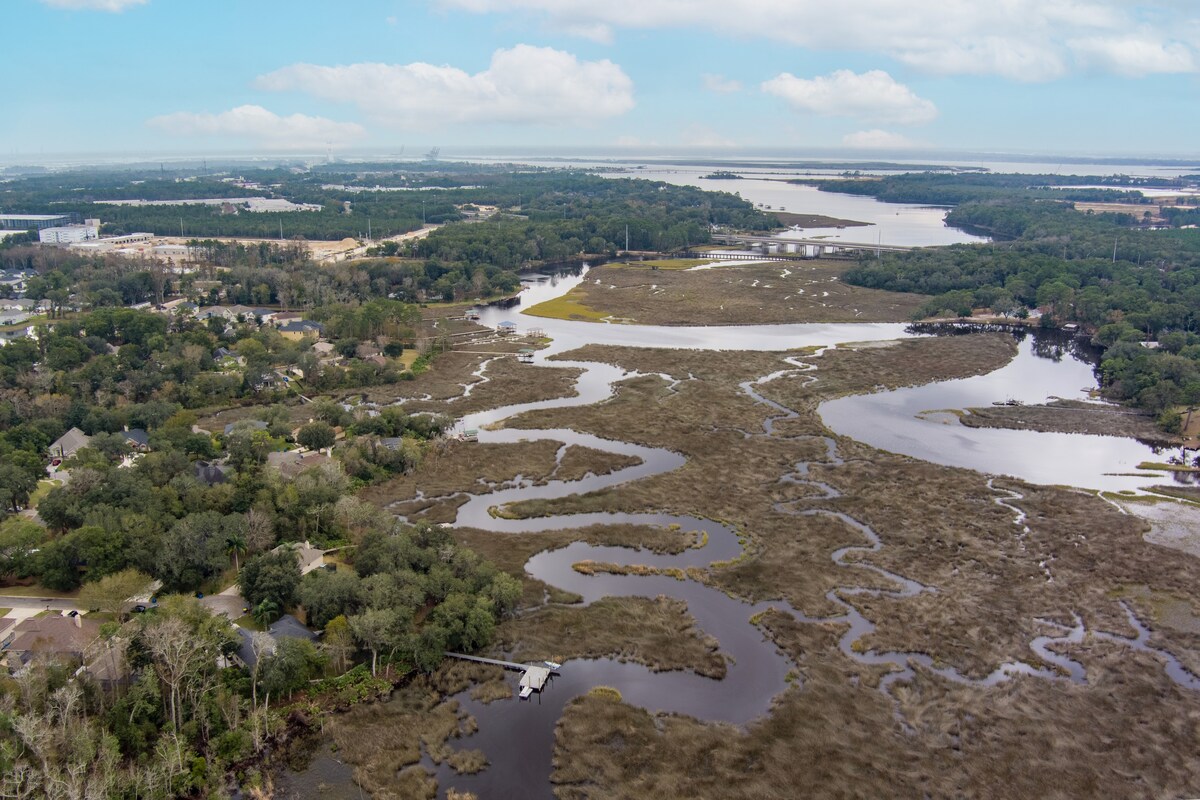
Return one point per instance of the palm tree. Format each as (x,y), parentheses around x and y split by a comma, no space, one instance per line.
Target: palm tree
(235,543)
(265,612)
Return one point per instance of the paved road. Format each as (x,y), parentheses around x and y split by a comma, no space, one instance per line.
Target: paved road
(40,603)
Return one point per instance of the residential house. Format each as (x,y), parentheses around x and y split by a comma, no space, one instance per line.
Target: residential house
(211,474)
(307,556)
(286,627)
(300,329)
(69,443)
(137,438)
(19,304)
(64,638)
(23,332)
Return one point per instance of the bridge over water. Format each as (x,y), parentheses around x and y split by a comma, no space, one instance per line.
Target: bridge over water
(813,247)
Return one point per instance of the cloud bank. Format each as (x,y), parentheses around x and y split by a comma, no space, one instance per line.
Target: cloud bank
(873,96)
(1027,40)
(524,84)
(113,6)
(255,123)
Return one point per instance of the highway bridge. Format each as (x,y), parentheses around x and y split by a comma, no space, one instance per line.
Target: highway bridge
(810,247)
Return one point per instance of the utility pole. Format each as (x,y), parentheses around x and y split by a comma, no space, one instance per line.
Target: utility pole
(181,227)
(626,237)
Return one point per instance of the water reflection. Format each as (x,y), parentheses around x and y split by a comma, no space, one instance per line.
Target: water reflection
(1049,365)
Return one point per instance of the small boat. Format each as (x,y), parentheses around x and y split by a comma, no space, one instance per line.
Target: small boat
(526,692)
(552,664)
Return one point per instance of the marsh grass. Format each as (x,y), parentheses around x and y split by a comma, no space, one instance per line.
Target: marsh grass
(1128,732)
(800,291)
(658,632)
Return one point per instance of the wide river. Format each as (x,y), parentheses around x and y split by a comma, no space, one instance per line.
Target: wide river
(517,737)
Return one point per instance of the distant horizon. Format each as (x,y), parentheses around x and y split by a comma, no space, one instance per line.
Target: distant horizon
(598,154)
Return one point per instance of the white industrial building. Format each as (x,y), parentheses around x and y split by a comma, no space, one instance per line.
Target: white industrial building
(71,234)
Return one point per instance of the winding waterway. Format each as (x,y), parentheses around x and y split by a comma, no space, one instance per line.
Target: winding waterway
(517,738)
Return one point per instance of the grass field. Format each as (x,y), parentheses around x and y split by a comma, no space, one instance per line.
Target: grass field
(750,293)
(569,306)
(43,489)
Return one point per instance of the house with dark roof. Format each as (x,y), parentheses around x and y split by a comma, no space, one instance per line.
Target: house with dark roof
(286,627)
(137,438)
(211,474)
(69,443)
(301,328)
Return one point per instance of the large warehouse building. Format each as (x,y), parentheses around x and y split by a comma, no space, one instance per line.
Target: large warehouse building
(36,222)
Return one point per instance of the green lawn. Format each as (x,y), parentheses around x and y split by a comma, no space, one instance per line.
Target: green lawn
(43,489)
(249,623)
(36,590)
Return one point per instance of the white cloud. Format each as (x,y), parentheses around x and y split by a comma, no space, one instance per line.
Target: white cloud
(593,31)
(94,5)
(1029,40)
(257,124)
(876,139)
(525,84)
(873,95)
(720,84)
(1133,56)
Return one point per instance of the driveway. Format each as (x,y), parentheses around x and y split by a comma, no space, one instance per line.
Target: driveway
(229,602)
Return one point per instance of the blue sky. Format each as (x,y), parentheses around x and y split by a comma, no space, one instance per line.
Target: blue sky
(1087,77)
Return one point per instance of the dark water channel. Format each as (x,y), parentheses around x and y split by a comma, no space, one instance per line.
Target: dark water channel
(517,737)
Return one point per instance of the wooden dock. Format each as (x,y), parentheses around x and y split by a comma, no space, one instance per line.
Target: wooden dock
(534,677)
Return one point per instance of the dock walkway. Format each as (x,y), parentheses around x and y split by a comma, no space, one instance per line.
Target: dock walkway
(533,678)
